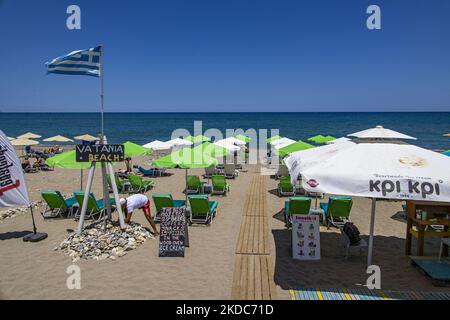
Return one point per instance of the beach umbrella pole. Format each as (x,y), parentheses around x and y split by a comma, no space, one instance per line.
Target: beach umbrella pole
(105,196)
(372,227)
(35,236)
(81,180)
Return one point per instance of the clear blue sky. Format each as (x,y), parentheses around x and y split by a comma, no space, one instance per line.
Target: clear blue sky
(230,55)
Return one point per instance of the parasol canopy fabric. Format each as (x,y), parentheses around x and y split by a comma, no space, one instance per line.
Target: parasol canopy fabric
(58,138)
(29,135)
(243,138)
(134,150)
(24,142)
(294,147)
(380,133)
(86,137)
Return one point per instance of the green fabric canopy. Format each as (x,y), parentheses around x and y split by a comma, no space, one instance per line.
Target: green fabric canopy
(243,138)
(186,158)
(67,160)
(298,146)
(134,150)
(320,139)
(199,138)
(271,139)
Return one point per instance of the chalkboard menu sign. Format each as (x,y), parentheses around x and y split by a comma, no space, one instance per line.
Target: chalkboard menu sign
(173,232)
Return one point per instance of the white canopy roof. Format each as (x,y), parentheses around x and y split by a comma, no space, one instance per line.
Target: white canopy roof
(234,141)
(158,145)
(24,142)
(338,140)
(380,133)
(178,142)
(227,144)
(379,170)
(58,138)
(29,135)
(283,142)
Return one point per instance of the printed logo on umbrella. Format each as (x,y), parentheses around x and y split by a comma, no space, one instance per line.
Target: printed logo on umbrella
(312,183)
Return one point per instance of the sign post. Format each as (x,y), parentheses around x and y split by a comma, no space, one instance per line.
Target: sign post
(105,154)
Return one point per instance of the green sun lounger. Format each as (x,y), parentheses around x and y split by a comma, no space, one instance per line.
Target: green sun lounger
(337,210)
(56,205)
(219,185)
(139,185)
(94,206)
(194,185)
(122,185)
(165,201)
(202,210)
(296,205)
(285,187)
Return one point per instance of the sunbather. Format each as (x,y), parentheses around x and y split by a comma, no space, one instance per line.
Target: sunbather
(128,165)
(26,165)
(138,201)
(40,164)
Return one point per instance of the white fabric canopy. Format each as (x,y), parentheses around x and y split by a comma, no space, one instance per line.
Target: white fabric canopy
(158,145)
(382,170)
(338,140)
(380,133)
(178,142)
(235,141)
(58,138)
(228,145)
(283,142)
(24,142)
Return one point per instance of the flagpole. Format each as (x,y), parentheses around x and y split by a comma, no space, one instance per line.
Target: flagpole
(101,93)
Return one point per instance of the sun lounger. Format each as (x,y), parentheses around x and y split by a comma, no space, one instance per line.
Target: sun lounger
(209,172)
(165,201)
(337,210)
(202,210)
(295,205)
(94,206)
(122,185)
(139,185)
(230,171)
(194,185)
(56,205)
(219,185)
(285,187)
(282,171)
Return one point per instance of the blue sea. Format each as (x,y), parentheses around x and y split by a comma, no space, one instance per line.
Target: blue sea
(142,128)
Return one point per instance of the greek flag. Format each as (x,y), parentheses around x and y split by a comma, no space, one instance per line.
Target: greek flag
(82,62)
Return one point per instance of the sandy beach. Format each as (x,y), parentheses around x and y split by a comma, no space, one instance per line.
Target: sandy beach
(36,271)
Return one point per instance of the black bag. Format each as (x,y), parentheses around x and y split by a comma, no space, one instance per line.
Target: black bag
(352,233)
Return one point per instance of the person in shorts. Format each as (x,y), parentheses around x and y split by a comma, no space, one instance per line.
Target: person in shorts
(138,201)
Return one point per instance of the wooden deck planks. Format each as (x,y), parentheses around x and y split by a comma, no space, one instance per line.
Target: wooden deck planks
(253,271)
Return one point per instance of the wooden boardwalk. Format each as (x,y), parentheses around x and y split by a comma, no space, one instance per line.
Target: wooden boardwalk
(253,269)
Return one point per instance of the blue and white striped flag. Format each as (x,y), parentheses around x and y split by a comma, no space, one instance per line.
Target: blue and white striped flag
(81,62)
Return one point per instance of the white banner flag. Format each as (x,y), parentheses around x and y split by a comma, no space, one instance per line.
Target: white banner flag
(13,189)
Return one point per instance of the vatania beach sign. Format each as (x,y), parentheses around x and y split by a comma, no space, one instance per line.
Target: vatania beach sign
(100,153)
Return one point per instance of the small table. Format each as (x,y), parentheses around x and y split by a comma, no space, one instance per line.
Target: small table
(318,212)
(421,225)
(207,188)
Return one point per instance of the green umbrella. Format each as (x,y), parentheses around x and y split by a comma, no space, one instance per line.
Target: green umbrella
(134,150)
(67,160)
(199,138)
(211,149)
(243,138)
(271,139)
(320,139)
(298,146)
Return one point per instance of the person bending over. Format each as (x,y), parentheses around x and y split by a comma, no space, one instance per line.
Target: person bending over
(138,201)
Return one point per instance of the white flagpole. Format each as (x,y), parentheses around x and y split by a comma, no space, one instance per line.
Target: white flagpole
(101,91)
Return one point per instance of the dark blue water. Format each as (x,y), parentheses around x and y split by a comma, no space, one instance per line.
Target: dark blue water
(145,127)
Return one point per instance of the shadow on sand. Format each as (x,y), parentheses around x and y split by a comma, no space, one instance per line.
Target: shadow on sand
(13,235)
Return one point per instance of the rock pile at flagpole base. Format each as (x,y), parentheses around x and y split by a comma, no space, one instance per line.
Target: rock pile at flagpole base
(94,243)
(11,213)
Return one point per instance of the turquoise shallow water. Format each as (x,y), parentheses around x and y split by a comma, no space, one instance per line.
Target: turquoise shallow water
(145,127)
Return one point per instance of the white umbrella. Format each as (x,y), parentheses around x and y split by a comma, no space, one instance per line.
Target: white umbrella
(338,140)
(234,141)
(380,133)
(157,145)
(29,135)
(283,142)
(58,138)
(381,170)
(86,137)
(11,138)
(227,144)
(178,142)
(24,142)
